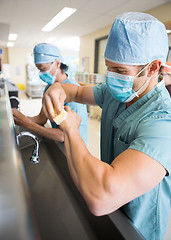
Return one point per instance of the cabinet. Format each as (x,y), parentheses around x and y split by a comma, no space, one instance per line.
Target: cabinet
(92,78)
(35,88)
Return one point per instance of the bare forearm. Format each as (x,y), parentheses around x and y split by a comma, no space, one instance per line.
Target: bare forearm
(37,120)
(50,133)
(71,91)
(57,94)
(69,160)
(80,94)
(87,172)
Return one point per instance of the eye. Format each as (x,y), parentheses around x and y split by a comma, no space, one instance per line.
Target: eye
(121,72)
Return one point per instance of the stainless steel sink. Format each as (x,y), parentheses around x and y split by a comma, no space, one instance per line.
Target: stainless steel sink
(60,210)
(40,201)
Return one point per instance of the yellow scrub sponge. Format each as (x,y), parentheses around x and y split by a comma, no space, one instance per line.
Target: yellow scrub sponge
(60,117)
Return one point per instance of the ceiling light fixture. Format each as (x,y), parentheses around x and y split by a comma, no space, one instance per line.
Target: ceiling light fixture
(60,17)
(10,44)
(12,36)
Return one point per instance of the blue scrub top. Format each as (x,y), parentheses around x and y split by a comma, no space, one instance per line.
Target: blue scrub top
(80,109)
(144,126)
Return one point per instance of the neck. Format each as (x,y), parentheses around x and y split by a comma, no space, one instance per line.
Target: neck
(61,77)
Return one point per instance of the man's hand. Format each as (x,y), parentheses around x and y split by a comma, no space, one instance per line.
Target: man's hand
(53,99)
(72,122)
(20,119)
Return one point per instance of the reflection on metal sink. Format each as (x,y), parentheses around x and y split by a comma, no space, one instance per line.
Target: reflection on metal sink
(60,211)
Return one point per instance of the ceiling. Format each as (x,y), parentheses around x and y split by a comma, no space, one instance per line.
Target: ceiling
(28,17)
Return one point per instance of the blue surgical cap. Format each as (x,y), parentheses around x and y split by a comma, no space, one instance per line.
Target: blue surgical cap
(136,39)
(46,53)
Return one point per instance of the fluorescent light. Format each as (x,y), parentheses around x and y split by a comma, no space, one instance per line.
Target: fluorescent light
(50,39)
(12,37)
(168,31)
(10,44)
(60,17)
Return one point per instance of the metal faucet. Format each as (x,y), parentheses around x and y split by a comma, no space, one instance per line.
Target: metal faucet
(35,154)
(17,99)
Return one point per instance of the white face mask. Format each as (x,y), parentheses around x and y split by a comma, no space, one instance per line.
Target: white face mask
(120,85)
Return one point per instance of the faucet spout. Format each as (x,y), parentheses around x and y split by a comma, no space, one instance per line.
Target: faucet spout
(35,154)
(17,99)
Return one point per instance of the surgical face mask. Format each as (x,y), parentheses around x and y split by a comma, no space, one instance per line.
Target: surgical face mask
(120,86)
(47,77)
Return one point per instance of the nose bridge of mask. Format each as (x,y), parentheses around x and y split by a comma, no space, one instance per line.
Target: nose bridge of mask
(120,77)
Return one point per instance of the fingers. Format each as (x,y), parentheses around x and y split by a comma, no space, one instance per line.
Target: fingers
(53,101)
(48,107)
(15,112)
(57,104)
(67,108)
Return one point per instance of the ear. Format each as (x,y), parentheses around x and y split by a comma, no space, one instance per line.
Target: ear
(58,63)
(154,67)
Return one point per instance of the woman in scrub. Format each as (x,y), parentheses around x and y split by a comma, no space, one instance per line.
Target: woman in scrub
(49,61)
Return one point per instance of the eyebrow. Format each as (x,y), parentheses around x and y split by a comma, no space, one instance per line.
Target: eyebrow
(41,67)
(119,67)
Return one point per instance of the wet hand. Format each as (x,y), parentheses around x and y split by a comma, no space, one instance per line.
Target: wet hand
(72,122)
(52,100)
(20,119)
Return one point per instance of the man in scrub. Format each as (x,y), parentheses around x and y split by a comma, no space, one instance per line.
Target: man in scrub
(135,171)
(49,61)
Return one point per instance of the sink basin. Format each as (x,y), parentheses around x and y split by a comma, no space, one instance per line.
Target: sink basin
(60,210)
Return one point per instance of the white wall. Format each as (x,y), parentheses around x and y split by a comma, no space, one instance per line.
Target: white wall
(87,47)
(163,13)
(18,59)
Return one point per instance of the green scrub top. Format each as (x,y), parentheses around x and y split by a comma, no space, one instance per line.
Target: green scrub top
(144,126)
(80,109)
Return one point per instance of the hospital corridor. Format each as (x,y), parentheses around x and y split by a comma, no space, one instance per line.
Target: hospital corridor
(85,120)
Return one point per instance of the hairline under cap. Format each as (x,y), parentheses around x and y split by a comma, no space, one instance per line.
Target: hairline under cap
(132,64)
(138,64)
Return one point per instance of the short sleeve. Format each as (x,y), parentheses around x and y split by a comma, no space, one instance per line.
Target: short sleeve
(153,137)
(98,91)
(46,88)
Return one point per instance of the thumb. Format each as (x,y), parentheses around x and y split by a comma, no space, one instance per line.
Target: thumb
(67,108)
